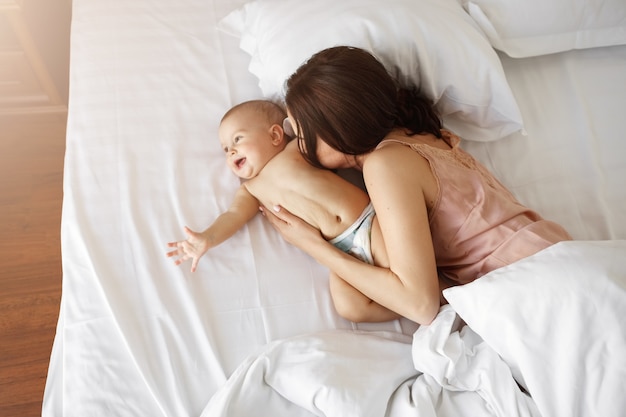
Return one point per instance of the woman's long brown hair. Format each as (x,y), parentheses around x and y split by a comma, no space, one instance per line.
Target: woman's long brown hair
(346,97)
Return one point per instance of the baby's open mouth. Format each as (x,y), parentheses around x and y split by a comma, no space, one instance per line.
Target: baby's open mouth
(239,162)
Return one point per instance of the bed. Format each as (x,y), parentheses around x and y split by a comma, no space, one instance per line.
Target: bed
(537,96)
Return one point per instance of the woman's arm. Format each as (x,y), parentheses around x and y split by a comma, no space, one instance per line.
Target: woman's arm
(379,284)
(243,208)
(402,186)
(410,285)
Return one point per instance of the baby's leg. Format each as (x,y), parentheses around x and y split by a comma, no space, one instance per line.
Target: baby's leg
(353,305)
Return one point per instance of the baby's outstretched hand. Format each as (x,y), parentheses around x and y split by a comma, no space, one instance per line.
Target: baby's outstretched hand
(193,248)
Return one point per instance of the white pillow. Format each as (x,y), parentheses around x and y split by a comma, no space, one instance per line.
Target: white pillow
(433,44)
(558,318)
(538,27)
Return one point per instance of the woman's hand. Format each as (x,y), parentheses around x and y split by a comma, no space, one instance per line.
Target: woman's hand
(193,248)
(293,229)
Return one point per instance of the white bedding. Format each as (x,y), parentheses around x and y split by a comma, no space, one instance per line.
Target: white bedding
(137,336)
(369,375)
(569,354)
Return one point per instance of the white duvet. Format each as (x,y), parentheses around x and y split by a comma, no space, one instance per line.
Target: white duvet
(574,364)
(447,371)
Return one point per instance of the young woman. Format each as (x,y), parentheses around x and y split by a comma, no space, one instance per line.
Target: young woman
(445,219)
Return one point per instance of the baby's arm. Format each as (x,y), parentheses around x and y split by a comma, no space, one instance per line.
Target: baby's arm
(242,209)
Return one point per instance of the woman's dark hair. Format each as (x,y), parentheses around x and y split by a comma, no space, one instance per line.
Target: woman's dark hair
(346,97)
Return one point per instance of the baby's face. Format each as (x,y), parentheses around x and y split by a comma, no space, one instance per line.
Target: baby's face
(247,143)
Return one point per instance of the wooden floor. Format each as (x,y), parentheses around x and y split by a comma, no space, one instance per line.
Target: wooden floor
(31,172)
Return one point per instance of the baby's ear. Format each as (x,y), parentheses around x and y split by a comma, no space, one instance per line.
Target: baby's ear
(278,134)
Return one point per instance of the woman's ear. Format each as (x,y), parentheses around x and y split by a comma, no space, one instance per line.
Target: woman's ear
(277,133)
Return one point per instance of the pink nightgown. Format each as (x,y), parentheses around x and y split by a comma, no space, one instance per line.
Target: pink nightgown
(477,225)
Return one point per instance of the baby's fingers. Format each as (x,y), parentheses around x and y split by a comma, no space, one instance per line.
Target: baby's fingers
(194,264)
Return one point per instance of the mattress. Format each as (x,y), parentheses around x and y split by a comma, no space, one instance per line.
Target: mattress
(149,82)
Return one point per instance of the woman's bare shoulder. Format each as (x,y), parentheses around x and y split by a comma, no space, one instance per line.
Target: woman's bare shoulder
(398,169)
(395,157)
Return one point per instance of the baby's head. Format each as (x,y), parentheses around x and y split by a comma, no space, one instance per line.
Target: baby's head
(251,134)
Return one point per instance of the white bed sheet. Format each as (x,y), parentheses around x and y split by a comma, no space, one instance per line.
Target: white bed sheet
(149,83)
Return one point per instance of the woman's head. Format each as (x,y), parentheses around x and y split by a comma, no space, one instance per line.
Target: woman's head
(346,97)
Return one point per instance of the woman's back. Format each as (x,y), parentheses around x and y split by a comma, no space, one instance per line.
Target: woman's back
(477,225)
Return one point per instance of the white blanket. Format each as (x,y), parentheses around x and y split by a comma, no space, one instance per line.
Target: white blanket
(448,369)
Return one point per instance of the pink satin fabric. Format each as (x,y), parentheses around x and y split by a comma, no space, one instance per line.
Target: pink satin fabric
(477,225)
